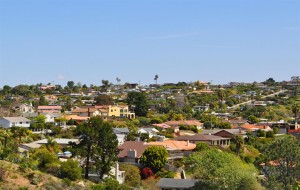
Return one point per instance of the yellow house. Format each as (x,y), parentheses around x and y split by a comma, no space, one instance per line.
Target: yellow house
(120,111)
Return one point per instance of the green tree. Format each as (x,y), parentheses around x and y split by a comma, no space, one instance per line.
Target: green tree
(43,101)
(156,78)
(70,169)
(270,134)
(138,101)
(132,175)
(296,110)
(104,99)
(270,82)
(71,84)
(283,162)
(220,170)
(106,151)
(88,134)
(201,146)
(155,157)
(97,143)
(239,141)
(105,85)
(275,130)
(261,133)
(252,119)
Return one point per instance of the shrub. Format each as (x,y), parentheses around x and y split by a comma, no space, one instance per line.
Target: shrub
(146,173)
(270,134)
(70,170)
(132,175)
(165,174)
(2,174)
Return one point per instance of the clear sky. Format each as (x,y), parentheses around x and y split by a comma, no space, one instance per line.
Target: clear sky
(180,40)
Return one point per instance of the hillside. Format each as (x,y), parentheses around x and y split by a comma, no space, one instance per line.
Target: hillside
(11,178)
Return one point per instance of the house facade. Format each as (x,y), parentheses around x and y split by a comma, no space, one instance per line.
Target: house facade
(49,109)
(7,122)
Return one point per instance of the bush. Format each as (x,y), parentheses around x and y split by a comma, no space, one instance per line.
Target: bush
(146,173)
(2,174)
(270,134)
(201,146)
(132,175)
(165,174)
(70,170)
(34,178)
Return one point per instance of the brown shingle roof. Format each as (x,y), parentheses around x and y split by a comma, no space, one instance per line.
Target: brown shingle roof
(127,145)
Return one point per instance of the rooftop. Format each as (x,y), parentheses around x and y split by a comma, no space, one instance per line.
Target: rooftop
(16,119)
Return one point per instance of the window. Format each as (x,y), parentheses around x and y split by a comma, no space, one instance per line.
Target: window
(20,122)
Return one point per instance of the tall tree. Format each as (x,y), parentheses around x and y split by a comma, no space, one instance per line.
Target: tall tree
(105,85)
(221,96)
(239,141)
(296,110)
(97,143)
(283,162)
(118,80)
(70,84)
(87,133)
(156,78)
(107,150)
(138,101)
(104,99)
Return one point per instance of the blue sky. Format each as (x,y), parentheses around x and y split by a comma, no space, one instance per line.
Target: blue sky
(180,40)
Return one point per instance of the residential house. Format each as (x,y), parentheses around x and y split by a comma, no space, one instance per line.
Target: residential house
(196,123)
(226,133)
(237,122)
(175,184)
(76,118)
(151,131)
(49,109)
(131,151)
(120,111)
(124,130)
(7,122)
(50,117)
(121,134)
(254,128)
(209,139)
(86,112)
(25,108)
(201,108)
(176,149)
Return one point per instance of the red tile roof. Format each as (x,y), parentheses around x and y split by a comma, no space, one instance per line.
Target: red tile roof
(174,145)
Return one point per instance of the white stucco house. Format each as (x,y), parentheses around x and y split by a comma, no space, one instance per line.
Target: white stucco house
(7,122)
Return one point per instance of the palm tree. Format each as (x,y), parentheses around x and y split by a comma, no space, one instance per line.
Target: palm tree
(155,78)
(295,110)
(221,96)
(239,141)
(118,80)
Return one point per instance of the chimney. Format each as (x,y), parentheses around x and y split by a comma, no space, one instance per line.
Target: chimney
(89,114)
(188,143)
(131,153)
